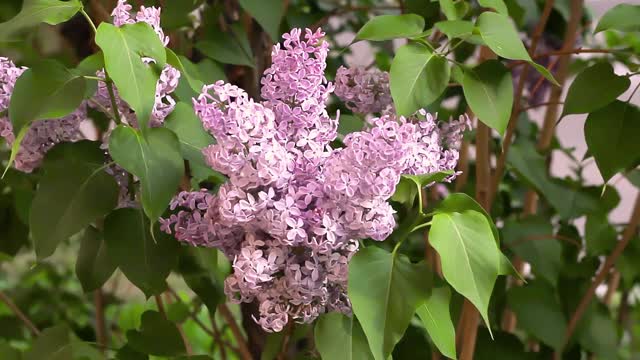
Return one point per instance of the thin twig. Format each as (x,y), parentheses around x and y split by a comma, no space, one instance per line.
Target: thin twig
(627,235)
(235,330)
(285,341)
(12,306)
(217,337)
(114,105)
(546,103)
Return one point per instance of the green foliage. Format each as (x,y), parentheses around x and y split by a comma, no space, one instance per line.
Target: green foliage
(228,48)
(539,312)
(387,27)
(623,17)
(436,318)
(488,88)
(469,253)
(35,12)
(612,124)
(74,191)
(145,259)
(157,336)
(418,77)
(155,159)
(385,291)
(268,13)
(94,266)
(339,337)
(123,48)
(584,97)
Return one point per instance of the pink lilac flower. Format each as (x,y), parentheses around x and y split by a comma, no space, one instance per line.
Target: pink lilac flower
(363,91)
(42,135)
(294,208)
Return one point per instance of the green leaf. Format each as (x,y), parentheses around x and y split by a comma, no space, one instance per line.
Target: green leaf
(594,88)
(349,124)
(613,124)
(94,266)
(74,191)
(622,17)
(418,78)
(340,337)
(35,12)
(600,236)
(544,72)
(268,13)
(459,202)
(437,320)
(88,67)
(155,159)
(455,28)
(410,185)
(498,5)
(598,333)
(186,68)
(192,136)
(144,261)
(123,48)
(532,240)
(228,48)
(501,36)
(46,91)
(387,27)
(488,88)
(539,312)
(9,353)
(454,9)
(532,167)
(469,254)
(52,344)
(385,290)
(157,336)
(178,312)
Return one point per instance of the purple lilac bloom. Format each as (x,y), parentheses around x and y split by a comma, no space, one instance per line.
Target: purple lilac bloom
(42,135)
(294,208)
(363,91)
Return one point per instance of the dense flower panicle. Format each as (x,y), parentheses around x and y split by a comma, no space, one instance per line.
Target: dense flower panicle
(42,135)
(363,91)
(293,210)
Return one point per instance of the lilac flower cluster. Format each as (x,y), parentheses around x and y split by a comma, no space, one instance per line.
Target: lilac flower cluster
(42,135)
(294,208)
(363,91)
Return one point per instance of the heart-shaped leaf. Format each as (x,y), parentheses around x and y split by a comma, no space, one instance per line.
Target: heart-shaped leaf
(35,12)
(155,159)
(436,318)
(94,266)
(387,27)
(593,88)
(157,336)
(340,337)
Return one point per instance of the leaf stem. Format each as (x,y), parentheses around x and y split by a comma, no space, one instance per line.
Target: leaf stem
(95,78)
(12,306)
(114,105)
(93,26)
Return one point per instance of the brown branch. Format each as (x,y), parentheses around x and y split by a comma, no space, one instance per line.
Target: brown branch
(217,337)
(627,235)
(235,330)
(17,312)
(282,355)
(513,120)
(534,106)
(101,325)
